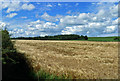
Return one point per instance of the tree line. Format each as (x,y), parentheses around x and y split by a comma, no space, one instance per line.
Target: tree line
(56,37)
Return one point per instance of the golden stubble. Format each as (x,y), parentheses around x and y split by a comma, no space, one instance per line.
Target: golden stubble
(74,59)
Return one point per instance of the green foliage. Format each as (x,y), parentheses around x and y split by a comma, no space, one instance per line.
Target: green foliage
(117,38)
(7,48)
(86,38)
(14,64)
(6,42)
(42,75)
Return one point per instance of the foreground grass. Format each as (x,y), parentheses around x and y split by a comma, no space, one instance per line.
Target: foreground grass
(42,75)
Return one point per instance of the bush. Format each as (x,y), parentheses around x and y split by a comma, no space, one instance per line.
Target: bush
(116,38)
(14,64)
(7,47)
(86,38)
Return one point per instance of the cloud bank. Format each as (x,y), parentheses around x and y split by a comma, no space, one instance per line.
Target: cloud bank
(103,22)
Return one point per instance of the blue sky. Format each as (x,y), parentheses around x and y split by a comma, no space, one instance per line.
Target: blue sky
(52,18)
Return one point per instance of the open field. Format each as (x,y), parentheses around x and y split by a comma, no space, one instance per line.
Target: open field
(74,59)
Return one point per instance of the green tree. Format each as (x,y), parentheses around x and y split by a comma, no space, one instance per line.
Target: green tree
(6,41)
(86,38)
(14,64)
(7,48)
(116,38)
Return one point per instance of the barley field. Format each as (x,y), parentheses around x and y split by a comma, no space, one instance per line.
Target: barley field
(73,59)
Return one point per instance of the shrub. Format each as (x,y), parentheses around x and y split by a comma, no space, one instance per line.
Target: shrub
(85,37)
(14,64)
(117,39)
(7,47)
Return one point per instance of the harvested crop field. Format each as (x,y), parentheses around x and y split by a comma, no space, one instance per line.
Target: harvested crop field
(75,59)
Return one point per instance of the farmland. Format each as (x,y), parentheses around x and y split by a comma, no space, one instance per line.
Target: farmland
(73,59)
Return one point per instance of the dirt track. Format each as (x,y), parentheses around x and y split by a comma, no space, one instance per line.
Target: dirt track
(75,59)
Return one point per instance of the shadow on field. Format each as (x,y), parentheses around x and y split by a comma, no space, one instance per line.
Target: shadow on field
(17,71)
(18,68)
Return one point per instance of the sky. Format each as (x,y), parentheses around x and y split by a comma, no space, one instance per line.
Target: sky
(30,19)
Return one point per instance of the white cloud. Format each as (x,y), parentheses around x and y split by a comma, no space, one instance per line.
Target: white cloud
(75,20)
(12,6)
(49,5)
(99,3)
(110,29)
(114,10)
(49,18)
(24,17)
(109,0)
(36,28)
(115,22)
(101,13)
(104,8)
(59,4)
(71,30)
(11,15)
(38,3)
(76,4)
(3,24)
(41,24)
(104,21)
(93,3)
(28,6)
(69,12)
(91,24)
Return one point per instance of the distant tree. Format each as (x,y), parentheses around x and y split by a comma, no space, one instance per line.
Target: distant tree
(86,38)
(57,37)
(116,38)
